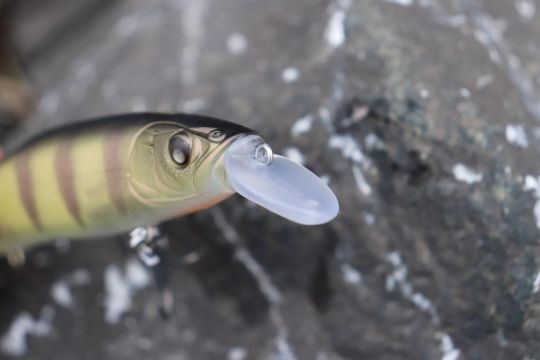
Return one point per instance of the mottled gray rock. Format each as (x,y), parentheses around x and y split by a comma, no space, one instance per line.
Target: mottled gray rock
(423,116)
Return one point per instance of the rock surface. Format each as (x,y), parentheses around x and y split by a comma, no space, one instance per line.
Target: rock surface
(425,118)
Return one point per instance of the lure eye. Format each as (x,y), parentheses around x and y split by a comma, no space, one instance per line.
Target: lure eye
(216,135)
(180,148)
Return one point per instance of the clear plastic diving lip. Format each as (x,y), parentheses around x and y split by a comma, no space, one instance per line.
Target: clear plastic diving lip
(277,183)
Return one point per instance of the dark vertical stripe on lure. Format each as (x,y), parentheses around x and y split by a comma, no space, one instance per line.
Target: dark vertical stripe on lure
(65,175)
(113,169)
(26,189)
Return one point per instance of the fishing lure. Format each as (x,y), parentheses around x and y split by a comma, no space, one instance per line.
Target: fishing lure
(112,175)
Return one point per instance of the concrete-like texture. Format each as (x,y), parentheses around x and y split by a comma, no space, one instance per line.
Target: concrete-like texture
(423,114)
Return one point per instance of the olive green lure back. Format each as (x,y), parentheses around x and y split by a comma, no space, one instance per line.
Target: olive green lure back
(110,175)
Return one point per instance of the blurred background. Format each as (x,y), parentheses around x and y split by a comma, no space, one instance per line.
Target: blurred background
(423,115)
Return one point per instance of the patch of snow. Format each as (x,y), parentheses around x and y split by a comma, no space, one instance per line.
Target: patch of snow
(360,180)
(48,104)
(290,74)
(516,135)
(237,353)
(283,349)
(401,2)
(325,178)
(424,93)
(237,43)
(136,275)
(350,274)
(193,105)
(118,297)
(302,125)
(465,93)
(533,183)
(397,280)
(62,245)
(335,28)
(138,104)
(13,343)
(369,218)
(373,142)
(127,25)
(295,155)
(61,294)
(456,20)
(466,175)
(120,287)
(536,283)
(80,277)
(448,350)
(484,81)
(349,148)
(526,9)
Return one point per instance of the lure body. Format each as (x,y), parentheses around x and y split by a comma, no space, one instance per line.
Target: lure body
(110,175)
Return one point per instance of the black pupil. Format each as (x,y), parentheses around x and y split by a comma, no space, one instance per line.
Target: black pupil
(180,149)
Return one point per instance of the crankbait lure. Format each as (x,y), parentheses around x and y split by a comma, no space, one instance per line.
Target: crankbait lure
(114,174)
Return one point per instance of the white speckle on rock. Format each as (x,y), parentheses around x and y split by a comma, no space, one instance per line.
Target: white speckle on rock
(138,104)
(465,93)
(13,343)
(193,105)
(191,258)
(61,290)
(237,353)
(455,20)
(350,274)
(449,352)
(290,74)
(62,245)
(326,117)
(349,148)
(302,125)
(127,25)
(117,295)
(80,277)
(361,182)
(526,9)
(516,135)
(325,178)
(397,280)
(533,183)
(335,29)
(424,93)
(237,44)
(536,283)
(369,218)
(121,287)
(466,175)
(136,275)
(48,104)
(61,294)
(295,155)
(373,142)
(484,81)
(421,302)
(401,2)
